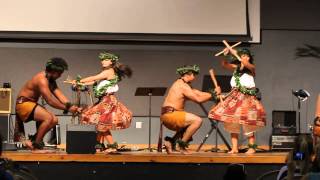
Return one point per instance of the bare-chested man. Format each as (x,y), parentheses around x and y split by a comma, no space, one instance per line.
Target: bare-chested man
(42,85)
(173,115)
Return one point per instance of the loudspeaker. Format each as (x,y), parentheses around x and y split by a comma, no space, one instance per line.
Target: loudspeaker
(284,123)
(81,139)
(5,100)
(4,126)
(283,118)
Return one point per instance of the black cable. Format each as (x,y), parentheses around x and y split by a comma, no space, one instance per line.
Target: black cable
(267,174)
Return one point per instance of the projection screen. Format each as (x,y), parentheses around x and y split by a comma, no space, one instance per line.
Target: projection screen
(176,20)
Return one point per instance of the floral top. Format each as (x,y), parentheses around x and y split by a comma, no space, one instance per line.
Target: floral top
(106,86)
(244,82)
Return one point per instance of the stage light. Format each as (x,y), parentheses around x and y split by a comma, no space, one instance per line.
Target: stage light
(301,94)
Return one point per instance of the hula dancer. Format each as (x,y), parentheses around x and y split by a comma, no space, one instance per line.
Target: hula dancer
(108,113)
(43,85)
(173,115)
(241,108)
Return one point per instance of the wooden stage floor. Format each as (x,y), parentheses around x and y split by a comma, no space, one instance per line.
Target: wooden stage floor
(152,157)
(150,165)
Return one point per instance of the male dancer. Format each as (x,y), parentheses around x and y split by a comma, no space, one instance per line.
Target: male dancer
(173,115)
(43,84)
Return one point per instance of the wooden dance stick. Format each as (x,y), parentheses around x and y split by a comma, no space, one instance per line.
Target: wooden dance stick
(221,52)
(229,47)
(70,82)
(214,80)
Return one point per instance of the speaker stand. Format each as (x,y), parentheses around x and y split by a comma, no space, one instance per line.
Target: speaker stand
(9,145)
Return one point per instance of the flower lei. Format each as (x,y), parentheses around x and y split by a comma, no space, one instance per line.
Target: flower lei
(100,92)
(241,88)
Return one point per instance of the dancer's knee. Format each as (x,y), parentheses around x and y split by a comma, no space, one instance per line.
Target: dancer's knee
(198,120)
(54,120)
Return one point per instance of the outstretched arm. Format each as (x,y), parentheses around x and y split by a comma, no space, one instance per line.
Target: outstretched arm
(107,74)
(195,95)
(224,63)
(60,96)
(64,100)
(49,97)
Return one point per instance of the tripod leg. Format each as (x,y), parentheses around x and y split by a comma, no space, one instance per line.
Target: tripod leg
(205,139)
(216,149)
(160,137)
(218,130)
(223,139)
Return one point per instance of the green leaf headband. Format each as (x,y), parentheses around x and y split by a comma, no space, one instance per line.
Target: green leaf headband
(106,55)
(189,68)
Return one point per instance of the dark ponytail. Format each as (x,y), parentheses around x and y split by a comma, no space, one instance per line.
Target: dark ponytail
(122,70)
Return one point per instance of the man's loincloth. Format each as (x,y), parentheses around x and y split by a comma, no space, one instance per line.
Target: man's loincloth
(172,118)
(25,108)
(24,112)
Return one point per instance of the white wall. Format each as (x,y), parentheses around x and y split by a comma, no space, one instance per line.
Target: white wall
(278,72)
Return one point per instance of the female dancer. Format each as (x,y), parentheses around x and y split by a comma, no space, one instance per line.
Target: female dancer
(241,108)
(108,113)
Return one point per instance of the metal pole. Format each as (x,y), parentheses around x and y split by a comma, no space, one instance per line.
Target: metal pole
(149,145)
(299,115)
(214,125)
(9,129)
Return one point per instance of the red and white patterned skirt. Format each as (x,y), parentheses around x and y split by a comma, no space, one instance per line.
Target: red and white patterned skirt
(239,108)
(108,114)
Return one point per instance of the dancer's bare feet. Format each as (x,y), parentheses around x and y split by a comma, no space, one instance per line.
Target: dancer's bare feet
(100,147)
(28,145)
(168,146)
(233,151)
(110,150)
(251,151)
(185,151)
(183,147)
